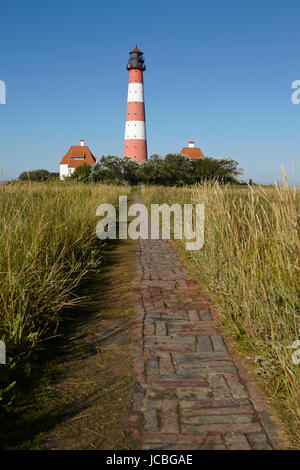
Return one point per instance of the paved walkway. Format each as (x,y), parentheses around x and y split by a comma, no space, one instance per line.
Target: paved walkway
(189,392)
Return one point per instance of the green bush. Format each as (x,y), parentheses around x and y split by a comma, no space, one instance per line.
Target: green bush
(173,170)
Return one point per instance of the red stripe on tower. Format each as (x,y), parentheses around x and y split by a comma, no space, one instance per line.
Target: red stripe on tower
(135,145)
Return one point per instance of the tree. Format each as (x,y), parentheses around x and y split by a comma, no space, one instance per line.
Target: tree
(223,170)
(178,170)
(230,168)
(152,171)
(35,175)
(82,173)
(108,169)
(173,170)
(130,170)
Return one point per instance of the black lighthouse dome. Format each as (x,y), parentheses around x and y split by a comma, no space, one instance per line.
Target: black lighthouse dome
(136,60)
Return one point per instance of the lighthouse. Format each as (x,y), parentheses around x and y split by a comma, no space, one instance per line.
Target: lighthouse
(135,145)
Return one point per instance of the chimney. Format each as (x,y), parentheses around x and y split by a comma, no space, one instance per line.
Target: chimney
(191,144)
(82,143)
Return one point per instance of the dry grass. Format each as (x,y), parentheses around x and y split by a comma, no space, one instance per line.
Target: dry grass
(250,263)
(47,243)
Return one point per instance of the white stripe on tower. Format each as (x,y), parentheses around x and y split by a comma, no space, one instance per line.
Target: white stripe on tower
(135,145)
(135,130)
(135,92)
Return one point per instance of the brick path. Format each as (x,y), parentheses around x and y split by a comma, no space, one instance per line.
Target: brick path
(189,392)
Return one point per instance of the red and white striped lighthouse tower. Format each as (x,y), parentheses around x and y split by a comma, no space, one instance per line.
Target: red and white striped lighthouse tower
(135,145)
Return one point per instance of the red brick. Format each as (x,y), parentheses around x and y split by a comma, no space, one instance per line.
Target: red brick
(180,383)
(134,420)
(237,441)
(177,438)
(194,317)
(256,397)
(241,410)
(221,428)
(165,363)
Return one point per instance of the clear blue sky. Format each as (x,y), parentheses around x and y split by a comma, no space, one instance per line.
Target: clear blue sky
(219,73)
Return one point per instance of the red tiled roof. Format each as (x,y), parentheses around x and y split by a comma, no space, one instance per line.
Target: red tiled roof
(78,151)
(192,152)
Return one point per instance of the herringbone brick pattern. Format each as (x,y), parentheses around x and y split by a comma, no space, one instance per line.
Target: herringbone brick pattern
(190,393)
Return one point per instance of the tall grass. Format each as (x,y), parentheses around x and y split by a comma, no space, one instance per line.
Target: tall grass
(47,243)
(250,262)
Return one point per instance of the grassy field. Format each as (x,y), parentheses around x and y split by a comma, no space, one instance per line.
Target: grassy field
(47,244)
(250,264)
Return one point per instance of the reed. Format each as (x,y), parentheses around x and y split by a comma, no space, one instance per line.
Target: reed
(47,243)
